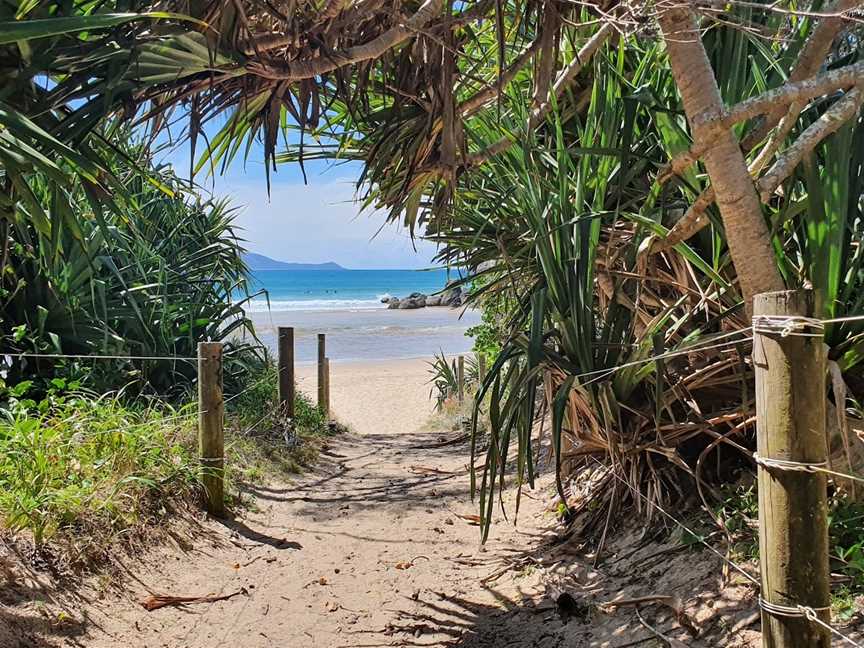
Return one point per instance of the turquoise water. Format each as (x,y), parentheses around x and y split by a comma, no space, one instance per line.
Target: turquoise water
(290,290)
(346,306)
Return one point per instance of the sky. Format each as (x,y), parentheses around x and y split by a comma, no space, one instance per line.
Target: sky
(312,223)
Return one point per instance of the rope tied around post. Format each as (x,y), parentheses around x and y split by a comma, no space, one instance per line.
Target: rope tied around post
(792,611)
(785,464)
(811,614)
(789,325)
(789,362)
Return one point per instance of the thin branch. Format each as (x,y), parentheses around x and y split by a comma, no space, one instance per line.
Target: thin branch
(821,84)
(810,59)
(473,103)
(829,122)
(696,216)
(693,220)
(813,53)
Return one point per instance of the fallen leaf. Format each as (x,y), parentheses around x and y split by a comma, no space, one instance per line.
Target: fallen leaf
(471,519)
(156,601)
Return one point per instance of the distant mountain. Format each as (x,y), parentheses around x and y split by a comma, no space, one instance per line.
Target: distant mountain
(261,262)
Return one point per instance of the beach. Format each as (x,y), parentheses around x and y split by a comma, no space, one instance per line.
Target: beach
(371,333)
(347,307)
(390,397)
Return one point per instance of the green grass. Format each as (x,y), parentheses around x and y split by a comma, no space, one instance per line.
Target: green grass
(256,444)
(739,511)
(83,472)
(93,467)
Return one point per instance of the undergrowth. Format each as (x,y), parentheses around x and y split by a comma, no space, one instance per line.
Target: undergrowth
(739,511)
(83,472)
(260,444)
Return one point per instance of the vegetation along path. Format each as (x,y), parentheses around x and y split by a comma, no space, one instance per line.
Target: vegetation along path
(377,546)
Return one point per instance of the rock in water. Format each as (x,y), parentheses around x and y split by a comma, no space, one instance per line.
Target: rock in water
(393,302)
(412,302)
(452,296)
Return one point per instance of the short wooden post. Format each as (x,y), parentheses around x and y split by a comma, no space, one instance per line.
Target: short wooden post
(326,408)
(286,370)
(793,509)
(322,353)
(481,367)
(460,377)
(211,440)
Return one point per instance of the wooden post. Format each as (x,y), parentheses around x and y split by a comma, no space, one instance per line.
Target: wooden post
(460,377)
(481,368)
(286,370)
(321,371)
(793,508)
(326,408)
(211,440)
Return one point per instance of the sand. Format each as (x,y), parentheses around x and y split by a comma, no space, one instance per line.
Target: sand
(389,398)
(377,546)
(360,551)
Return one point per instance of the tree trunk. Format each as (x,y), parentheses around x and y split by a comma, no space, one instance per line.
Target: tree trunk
(746,231)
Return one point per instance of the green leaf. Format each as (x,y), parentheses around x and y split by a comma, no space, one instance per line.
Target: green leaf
(22,30)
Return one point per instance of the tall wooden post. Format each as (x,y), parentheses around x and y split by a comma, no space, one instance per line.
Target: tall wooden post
(286,370)
(211,440)
(322,378)
(326,408)
(793,509)
(460,377)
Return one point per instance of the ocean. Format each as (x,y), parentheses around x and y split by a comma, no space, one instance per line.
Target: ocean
(346,306)
(339,289)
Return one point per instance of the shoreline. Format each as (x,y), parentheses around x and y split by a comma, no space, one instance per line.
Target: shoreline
(379,334)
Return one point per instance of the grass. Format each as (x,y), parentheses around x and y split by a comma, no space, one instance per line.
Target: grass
(258,445)
(83,472)
(86,467)
(739,512)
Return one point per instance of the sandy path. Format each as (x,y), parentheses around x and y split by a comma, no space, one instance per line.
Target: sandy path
(369,549)
(366,550)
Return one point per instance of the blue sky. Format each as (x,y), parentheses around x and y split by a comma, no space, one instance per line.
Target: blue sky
(310,223)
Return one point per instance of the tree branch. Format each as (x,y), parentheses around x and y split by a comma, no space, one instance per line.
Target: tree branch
(824,83)
(829,122)
(693,220)
(696,217)
(813,53)
(307,69)
(747,235)
(476,101)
